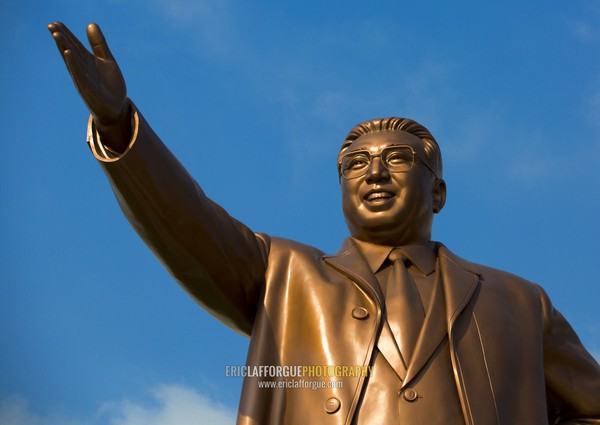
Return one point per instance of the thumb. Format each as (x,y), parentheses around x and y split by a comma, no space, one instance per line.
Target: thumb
(98,42)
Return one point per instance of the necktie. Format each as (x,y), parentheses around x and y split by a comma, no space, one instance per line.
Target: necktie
(404,309)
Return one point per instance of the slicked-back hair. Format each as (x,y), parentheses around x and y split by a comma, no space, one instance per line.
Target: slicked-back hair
(432,150)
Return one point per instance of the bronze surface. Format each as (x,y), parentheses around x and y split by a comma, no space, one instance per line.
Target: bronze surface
(492,349)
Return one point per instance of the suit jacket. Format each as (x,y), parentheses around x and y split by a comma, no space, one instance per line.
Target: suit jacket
(515,359)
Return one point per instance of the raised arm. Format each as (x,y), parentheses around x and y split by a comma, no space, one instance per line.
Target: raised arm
(99,82)
(216,259)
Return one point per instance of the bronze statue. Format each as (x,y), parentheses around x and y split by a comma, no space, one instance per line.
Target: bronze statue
(445,341)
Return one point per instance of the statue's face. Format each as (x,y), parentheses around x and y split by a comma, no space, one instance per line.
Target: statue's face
(391,208)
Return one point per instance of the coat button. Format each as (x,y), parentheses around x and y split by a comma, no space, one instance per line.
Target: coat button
(332,405)
(360,313)
(410,395)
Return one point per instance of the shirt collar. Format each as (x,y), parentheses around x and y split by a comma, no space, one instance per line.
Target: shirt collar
(422,256)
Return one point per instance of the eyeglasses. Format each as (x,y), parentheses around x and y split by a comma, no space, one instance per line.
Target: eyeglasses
(397,159)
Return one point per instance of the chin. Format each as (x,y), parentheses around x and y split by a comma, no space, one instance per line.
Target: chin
(388,230)
(379,234)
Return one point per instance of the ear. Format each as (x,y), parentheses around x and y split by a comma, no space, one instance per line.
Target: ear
(439,195)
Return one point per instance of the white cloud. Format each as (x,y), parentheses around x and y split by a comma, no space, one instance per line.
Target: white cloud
(174,404)
(171,404)
(16,411)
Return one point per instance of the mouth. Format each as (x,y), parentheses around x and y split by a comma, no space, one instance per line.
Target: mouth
(378,195)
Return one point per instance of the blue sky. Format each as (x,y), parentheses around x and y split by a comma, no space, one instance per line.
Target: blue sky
(255,99)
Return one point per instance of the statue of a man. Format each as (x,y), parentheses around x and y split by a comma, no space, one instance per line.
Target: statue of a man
(442,340)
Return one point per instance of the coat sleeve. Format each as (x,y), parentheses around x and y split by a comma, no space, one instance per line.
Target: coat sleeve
(572,375)
(215,258)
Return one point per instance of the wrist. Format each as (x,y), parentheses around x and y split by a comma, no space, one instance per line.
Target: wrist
(116,134)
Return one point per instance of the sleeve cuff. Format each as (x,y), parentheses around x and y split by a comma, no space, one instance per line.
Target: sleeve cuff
(100,150)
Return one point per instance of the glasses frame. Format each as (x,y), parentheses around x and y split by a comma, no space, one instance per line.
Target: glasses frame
(371,156)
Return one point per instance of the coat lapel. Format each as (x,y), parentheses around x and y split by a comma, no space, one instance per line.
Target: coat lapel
(432,333)
(388,347)
(456,281)
(351,263)
(459,280)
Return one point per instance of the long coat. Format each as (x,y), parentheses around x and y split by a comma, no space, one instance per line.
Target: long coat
(515,359)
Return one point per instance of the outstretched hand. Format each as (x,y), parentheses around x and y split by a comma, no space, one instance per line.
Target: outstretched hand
(98,80)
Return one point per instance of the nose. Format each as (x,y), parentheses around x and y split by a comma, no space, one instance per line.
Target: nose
(377,172)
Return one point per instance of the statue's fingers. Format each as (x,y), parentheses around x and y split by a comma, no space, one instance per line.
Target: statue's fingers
(60,41)
(61,44)
(98,42)
(55,26)
(75,67)
(65,30)
(79,75)
(70,41)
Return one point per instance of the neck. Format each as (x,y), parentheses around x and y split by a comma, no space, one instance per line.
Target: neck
(394,240)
